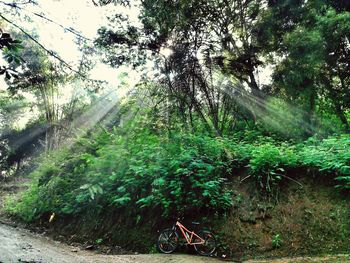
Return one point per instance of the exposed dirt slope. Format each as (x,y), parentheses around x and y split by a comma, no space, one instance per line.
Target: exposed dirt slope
(312,219)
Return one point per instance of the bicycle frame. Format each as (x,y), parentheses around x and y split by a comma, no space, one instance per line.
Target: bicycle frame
(188,235)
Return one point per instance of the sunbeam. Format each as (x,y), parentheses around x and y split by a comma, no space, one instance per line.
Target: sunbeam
(272,112)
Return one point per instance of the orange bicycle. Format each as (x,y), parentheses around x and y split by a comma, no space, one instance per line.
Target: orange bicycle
(204,242)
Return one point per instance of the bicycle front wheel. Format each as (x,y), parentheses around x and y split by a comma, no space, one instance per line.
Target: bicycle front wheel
(209,245)
(168,241)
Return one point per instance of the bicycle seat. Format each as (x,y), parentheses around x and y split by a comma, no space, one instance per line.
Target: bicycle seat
(195,223)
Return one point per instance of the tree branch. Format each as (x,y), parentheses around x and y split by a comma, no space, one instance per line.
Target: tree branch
(14,5)
(51,53)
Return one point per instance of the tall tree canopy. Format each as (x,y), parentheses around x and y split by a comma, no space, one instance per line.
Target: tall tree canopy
(306,43)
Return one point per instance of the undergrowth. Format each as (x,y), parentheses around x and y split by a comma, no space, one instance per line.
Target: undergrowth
(137,170)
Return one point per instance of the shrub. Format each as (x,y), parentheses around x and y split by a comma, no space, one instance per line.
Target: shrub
(136,170)
(183,174)
(329,156)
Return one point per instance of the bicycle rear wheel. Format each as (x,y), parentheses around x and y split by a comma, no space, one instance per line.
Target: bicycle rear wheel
(209,245)
(168,241)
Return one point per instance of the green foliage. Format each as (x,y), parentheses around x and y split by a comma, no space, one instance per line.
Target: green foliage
(315,49)
(134,169)
(266,164)
(269,160)
(276,241)
(331,156)
(99,241)
(141,171)
(10,49)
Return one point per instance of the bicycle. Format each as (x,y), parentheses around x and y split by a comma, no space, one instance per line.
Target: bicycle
(204,242)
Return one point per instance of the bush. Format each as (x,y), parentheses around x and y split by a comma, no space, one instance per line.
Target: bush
(268,163)
(329,156)
(183,174)
(135,170)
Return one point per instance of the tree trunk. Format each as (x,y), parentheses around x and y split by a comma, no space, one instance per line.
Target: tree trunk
(336,104)
(309,116)
(341,116)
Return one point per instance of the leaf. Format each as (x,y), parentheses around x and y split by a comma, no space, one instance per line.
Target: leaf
(92,194)
(85,186)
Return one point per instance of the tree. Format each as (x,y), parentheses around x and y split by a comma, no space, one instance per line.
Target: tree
(335,76)
(308,41)
(41,77)
(205,38)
